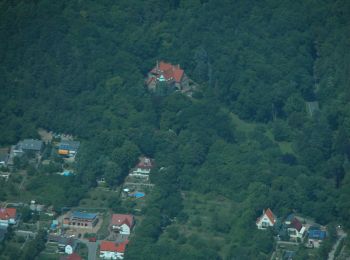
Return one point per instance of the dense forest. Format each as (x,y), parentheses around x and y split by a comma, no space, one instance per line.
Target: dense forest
(246,136)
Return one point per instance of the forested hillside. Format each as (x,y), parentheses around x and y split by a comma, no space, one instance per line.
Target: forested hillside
(244,142)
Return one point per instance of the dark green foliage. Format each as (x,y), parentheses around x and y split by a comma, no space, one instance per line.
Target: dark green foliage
(78,67)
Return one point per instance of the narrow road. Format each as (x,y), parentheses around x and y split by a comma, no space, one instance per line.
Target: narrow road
(342,235)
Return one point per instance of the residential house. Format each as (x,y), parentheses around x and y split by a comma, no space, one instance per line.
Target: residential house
(296,229)
(267,219)
(166,78)
(143,168)
(111,250)
(68,148)
(65,245)
(79,219)
(8,216)
(28,145)
(122,223)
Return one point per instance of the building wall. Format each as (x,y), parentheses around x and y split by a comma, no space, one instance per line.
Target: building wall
(108,255)
(80,223)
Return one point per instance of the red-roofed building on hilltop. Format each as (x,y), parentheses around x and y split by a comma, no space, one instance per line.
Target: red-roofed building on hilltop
(8,216)
(267,219)
(122,223)
(165,78)
(111,250)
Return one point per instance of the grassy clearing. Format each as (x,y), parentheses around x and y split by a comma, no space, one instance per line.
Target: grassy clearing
(246,127)
(205,213)
(97,198)
(241,125)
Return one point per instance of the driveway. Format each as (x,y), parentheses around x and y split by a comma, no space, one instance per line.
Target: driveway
(92,248)
(341,235)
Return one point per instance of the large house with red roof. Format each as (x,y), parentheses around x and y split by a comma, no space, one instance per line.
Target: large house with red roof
(122,223)
(111,250)
(8,216)
(166,78)
(267,219)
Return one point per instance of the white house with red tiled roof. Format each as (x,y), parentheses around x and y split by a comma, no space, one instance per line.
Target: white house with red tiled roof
(267,219)
(168,76)
(122,223)
(111,250)
(7,216)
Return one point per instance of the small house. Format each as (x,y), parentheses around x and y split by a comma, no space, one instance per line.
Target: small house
(111,250)
(8,216)
(122,223)
(267,219)
(296,229)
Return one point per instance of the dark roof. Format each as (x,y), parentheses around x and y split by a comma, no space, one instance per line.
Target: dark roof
(84,215)
(69,145)
(31,144)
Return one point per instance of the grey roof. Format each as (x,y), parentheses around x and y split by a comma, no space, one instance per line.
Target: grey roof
(31,144)
(4,157)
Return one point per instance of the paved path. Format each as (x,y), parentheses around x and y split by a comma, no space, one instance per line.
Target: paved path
(341,236)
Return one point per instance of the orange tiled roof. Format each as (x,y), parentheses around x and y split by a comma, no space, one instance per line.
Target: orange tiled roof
(121,247)
(108,246)
(169,71)
(112,247)
(120,219)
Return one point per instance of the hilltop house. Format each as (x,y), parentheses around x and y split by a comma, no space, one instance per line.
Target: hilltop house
(122,223)
(267,219)
(8,216)
(81,220)
(68,148)
(166,78)
(111,250)
(143,168)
